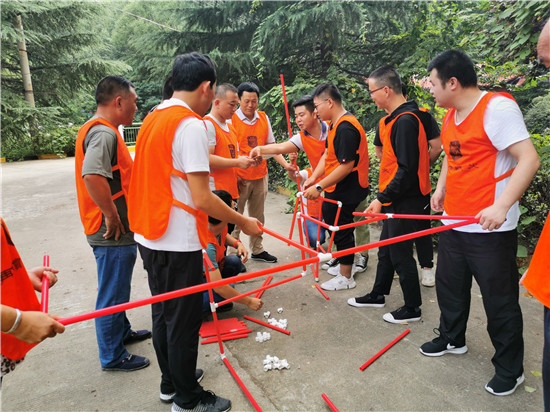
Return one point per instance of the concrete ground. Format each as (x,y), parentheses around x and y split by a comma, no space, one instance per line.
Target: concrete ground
(329,340)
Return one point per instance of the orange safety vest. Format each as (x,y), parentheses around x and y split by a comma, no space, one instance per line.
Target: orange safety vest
(90,213)
(471,159)
(17,292)
(388,164)
(314,151)
(220,246)
(331,161)
(150,199)
(226,147)
(249,136)
(536,281)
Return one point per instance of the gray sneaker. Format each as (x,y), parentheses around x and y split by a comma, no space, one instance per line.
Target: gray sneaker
(209,403)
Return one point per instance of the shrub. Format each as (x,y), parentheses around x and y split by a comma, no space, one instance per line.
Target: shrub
(537,117)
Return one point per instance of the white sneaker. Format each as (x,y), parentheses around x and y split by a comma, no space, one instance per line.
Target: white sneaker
(428,277)
(335,271)
(338,283)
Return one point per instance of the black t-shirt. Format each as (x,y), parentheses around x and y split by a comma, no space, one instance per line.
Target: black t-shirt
(404,141)
(346,144)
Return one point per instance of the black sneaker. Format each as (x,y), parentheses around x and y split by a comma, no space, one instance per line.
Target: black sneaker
(266,257)
(129,364)
(169,397)
(136,336)
(208,403)
(441,346)
(330,264)
(361,264)
(502,387)
(368,301)
(403,314)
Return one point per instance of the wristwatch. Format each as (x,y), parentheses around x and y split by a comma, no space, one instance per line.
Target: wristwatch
(319,188)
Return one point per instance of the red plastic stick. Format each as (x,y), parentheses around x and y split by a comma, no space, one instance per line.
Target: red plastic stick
(393,342)
(234,298)
(291,242)
(286,107)
(226,337)
(241,384)
(266,282)
(329,403)
(322,291)
(407,216)
(267,325)
(45,286)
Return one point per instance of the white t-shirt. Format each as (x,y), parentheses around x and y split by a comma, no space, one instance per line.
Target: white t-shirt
(190,155)
(297,138)
(504,125)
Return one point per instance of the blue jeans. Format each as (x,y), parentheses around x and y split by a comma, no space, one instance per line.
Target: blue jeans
(311,234)
(230,267)
(115,265)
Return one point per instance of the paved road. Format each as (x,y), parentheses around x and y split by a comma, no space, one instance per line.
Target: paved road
(329,340)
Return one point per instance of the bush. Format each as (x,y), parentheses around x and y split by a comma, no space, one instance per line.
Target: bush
(537,117)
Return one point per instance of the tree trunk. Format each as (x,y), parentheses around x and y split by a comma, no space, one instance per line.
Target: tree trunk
(25,69)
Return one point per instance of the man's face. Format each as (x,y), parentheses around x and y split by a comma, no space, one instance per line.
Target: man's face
(439,90)
(249,104)
(304,118)
(543,46)
(377,93)
(228,104)
(128,105)
(322,105)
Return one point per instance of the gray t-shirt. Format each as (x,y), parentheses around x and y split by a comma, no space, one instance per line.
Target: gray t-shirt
(100,155)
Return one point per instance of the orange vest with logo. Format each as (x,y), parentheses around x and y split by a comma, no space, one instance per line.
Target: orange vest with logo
(90,214)
(537,281)
(151,199)
(17,292)
(220,246)
(331,161)
(226,147)
(471,159)
(249,136)
(388,164)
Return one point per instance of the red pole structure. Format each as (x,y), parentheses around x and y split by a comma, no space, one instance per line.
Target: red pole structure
(403,216)
(389,345)
(266,282)
(45,286)
(329,403)
(267,325)
(239,335)
(286,107)
(241,384)
(291,242)
(322,291)
(182,292)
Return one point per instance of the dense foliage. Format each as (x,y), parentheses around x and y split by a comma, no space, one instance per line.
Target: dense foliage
(72,44)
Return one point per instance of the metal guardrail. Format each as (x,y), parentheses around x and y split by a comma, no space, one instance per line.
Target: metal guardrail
(130,134)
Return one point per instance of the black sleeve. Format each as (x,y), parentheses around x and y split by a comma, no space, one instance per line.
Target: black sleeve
(404,141)
(377,141)
(346,142)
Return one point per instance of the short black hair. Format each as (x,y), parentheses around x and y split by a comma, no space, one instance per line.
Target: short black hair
(111,86)
(190,70)
(306,101)
(222,89)
(388,76)
(226,197)
(454,63)
(250,87)
(328,89)
(167,89)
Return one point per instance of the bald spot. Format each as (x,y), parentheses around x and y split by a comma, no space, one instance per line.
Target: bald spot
(543,46)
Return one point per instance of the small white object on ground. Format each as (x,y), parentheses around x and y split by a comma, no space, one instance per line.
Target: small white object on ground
(273,362)
(280,310)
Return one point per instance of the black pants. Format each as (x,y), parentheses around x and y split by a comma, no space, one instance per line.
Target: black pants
(344,239)
(176,322)
(491,259)
(398,257)
(424,244)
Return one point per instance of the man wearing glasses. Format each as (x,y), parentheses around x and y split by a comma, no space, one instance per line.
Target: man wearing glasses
(346,168)
(404,187)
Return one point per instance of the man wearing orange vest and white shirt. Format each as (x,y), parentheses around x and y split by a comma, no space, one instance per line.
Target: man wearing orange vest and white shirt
(312,140)
(222,143)
(489,163)
(345,165)
(168,208)
(253,129)
(103,167)
(404,187)
(537,278)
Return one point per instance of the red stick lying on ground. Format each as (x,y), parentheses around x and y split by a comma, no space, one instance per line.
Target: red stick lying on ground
(266,282)
(228,336)
(393,342)
(322,292)
(329,403)
(241,384)
(45,286)
(267,325)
